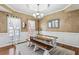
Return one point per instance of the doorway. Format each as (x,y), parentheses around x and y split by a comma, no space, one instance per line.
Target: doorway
(31,28)
(14,28)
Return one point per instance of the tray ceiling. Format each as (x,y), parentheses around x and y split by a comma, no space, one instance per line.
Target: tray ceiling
(43,8)
(32,8)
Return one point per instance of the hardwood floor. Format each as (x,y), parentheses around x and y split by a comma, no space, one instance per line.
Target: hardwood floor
(25,50)
(70,48)
(6,50)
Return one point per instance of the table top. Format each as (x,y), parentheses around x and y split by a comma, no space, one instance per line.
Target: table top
(44,42)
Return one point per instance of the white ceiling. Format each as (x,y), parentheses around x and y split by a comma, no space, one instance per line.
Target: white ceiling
(43,8)
(32,8)
(73,7)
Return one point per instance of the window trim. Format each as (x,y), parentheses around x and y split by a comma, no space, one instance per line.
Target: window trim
(54,27)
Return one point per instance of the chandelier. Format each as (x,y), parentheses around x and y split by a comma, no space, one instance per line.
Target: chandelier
(38,14)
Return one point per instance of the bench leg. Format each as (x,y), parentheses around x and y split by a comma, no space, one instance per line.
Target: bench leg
(35,48)
(46,52)
(29,44)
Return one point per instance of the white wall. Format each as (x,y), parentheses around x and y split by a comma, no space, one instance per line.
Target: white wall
(5,39)
(65,37)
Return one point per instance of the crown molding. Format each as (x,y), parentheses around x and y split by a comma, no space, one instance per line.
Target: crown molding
(59,10)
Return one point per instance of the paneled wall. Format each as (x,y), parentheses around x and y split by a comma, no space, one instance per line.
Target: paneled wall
(69,21)
(67,38)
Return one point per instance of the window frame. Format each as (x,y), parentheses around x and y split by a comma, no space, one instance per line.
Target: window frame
(54,25)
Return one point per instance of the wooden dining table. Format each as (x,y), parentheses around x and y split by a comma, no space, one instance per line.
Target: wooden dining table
(41,44)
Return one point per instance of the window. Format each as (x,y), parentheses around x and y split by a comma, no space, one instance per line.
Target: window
(53,23)
(49,24)
(14,27)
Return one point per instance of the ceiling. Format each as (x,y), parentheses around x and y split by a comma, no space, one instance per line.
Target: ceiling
(73,7)
(32,8)
(43,8)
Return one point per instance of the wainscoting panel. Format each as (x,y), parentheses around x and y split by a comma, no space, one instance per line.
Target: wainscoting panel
(6,40)
(67,38)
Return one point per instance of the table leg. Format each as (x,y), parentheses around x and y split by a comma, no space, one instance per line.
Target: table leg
(46,52)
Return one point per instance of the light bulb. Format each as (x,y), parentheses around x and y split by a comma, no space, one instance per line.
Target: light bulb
(34,15)
(41,14)
(37,13)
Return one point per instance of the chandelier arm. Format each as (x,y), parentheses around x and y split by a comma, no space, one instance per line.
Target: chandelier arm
(38,14)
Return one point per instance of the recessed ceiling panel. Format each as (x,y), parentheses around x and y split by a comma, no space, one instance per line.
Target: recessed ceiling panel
(33,8)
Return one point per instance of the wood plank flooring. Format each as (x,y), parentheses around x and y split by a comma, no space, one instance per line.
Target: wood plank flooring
(6,50)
